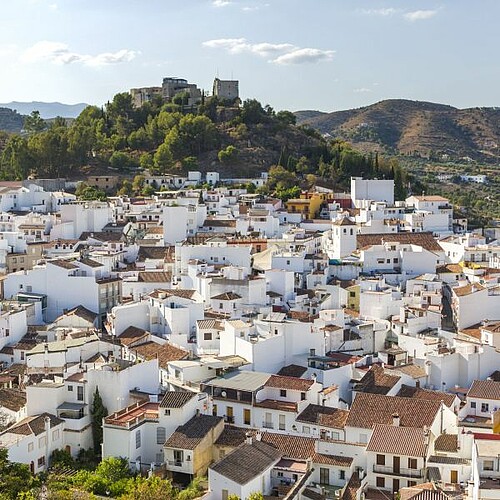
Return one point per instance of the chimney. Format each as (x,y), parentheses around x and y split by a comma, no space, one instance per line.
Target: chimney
(258,436)
(248,438)
(396,420)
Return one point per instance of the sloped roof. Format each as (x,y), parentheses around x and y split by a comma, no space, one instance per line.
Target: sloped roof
(376,381)
(395,440)
(292,383)
(447,443)
(34,425)
(12,399)
(165,353)
(292,371)
(190,435)
(369,409)
(324,416)
(247,462)
(81,312)
(424,240)
(484,389)
(408,391)
(154,277)
(176,399)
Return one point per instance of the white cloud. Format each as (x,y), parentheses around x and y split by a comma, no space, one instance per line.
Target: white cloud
(59,53)
(307,55)
(384,12)
(279,53)
(362,90)
(419,15)
(221,3)
(53,6)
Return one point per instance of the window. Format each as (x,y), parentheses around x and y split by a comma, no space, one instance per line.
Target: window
(283,393)
(137,439)
(79,392)
(55,435)
(485,407)
(306,429)
(41,462)
(222,453)
(161,435)
(214,410)
(473,404)
(167,413)
(302,396)
(380,459)
(380,482)
(412,463)
(363,438)
(246,416)
(42,442)
(207,336)
(30,447)
(280,474)
(221,305)
(342,474)
(352,294)
(281,423)
(178,457)
(487,464)
(22,355)
(287,262)
(225,494)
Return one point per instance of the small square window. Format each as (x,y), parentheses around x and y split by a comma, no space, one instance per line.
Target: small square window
(283,393)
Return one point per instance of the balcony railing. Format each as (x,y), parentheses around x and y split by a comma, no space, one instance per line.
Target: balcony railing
(267,425)
(383,469)
(175,463)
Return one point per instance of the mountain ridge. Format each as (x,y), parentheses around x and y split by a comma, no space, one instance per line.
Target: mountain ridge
(47,110)
(418,128)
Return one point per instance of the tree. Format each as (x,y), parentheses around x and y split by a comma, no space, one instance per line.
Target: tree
(98,412)
(152,488)
(89,193)
(138,183)
(228,154)
(125,189)
(255,496)
(286,117)
(34,123)
(121,160)
(16,478)
(163,158)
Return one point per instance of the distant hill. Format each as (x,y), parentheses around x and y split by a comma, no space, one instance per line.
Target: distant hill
(47,109)
(10,121)
(414,127)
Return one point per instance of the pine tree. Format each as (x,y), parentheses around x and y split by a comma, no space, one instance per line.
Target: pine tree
(98,412)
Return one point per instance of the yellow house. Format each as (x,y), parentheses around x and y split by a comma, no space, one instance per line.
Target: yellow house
(309,204)
(189,450)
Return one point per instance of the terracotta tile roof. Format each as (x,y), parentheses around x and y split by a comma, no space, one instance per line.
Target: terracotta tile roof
(165,353)
(151,252)
(154,277)
(12,399)
(297,447)
(178,292)
(247,462)
(176,399)
(81,312)
(461,291)
(369,409)
(65,264)
(446,443)
(492,326)
(484,389)
(132,334)
(351,491)
(34,425)
(227,296)
(425,240)
(324,416)
(102,236)
(292,383)
(234,436)
(408,391)
(336,460)
(91,263)
(376,381)
(219,223)
(449,268)
(395,440)
(292,371)
(209,324)
(190,435)
(273,404)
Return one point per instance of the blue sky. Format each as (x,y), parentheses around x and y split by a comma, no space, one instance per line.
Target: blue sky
(292,54)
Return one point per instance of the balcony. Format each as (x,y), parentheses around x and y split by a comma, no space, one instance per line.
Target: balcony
(267,425)
(229,420)
(403,472)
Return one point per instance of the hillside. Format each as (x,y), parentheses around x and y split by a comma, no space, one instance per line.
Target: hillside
(47,109)
(10,121)
(415,128)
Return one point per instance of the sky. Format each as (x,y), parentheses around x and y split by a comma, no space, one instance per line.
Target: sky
(292,54)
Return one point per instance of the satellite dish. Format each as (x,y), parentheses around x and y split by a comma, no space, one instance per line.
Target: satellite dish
(223,394)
